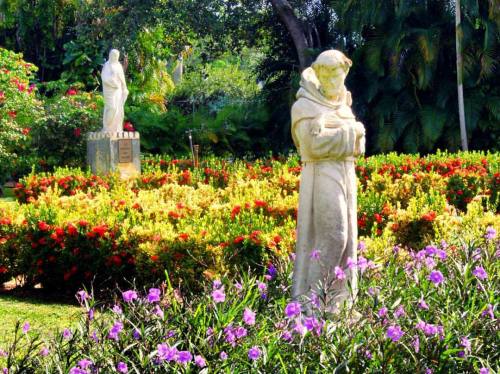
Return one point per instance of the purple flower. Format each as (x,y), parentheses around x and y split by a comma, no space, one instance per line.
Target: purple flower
(286,336)
(26,327)
(240,332)
(491,234)
(351,264)
(430,263)
(216,284)
(464,342)
(82,296)
(293,309)
(117,309)
(422,304)
(339,273)
(223,356)
(158,311)
(218,295)
(44,352)
(115,330)
(361,246)
(77,370)
(94,337)
(129,296)
(184,357)
(441,254)
(67,335)
(362,264)
(262,287)
(3,353)
(400,311)
(436,277)
(271,270)
(430,250)
(416,344)
(85,363)
(136,334)
(484,370)
(254,353)
(122,367)
(154,295)
(249,317)
(315,254)
(200,361)
(382,312)
(480,273)
(90,314)
(368,354)
(394,333)
(488,312)
(165,352)
(238,286)
(429,329)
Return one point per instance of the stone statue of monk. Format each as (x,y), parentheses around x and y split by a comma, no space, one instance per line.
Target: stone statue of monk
(115,93)
(329,139)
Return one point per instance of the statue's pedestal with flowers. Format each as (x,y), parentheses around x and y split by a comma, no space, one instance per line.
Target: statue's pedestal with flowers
(114,152)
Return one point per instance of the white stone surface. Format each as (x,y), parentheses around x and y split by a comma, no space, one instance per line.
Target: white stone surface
(329,139)
(115,93)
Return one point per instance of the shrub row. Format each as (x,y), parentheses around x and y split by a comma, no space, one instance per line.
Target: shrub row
(199,222)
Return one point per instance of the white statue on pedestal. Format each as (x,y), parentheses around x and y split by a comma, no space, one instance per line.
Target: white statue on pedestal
(115,93)
(328,138)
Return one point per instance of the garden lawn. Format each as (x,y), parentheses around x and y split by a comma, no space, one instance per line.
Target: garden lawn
(43,316)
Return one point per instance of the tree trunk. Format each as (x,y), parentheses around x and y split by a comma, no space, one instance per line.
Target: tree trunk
(296,30)
(460,87)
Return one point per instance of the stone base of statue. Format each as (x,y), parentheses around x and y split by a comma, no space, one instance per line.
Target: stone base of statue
(114,152)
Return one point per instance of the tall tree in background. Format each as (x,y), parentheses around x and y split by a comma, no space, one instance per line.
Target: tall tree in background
(460,70)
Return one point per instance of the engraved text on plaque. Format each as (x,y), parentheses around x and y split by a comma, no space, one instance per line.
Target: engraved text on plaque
(124,150)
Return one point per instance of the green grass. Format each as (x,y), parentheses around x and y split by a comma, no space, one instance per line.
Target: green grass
(8,195)
(44,316)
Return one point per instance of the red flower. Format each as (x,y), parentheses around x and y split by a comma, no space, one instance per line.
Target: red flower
(21,87)
(378,217)
(12,114)
(155,258)
(59,231)
(260,203)
(5,221)
(429,217)
(100,230)
(83,223)
(2,95)
(3,269)
(43,226)
(236,210)
(183,236)
(71,91)
(238,239)
(26,130)
(127,126)
(77,132)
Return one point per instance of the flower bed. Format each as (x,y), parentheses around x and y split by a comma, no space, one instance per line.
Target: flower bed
(202,222)
(431,310)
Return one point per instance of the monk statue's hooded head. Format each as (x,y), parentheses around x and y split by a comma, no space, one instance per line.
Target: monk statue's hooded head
(114,55)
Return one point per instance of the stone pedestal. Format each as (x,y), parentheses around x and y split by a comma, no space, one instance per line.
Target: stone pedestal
(111,152)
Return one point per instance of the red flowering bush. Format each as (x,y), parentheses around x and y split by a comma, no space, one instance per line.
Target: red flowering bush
(60,138)
(20,110)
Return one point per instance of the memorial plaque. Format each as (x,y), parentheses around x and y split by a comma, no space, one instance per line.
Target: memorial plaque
(124,151)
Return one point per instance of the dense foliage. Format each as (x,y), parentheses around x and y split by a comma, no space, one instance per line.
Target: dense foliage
(403,78)
(20,110)
(70,227)
(428,310)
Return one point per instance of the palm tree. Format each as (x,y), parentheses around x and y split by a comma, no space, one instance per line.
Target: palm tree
(460,85)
